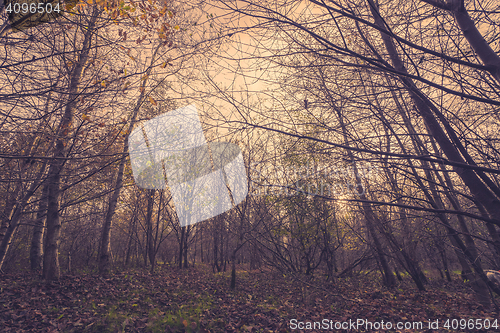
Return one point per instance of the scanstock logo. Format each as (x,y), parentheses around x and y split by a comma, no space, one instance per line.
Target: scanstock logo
(205,179)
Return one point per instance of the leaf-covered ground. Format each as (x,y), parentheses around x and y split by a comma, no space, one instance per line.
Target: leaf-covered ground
(196,300)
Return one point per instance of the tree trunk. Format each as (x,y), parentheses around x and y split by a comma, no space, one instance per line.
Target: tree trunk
(201,245)
(155,242)
(480,46)
(451,148)
(36,250)
(233,270)
(181,245)
(14,209)
(370,217)
(104,247)
(186,237)
(216,246)
(149,229)
(222,253)
(389,279)
(429,112)
(398,275)
(51,269)
(445,263)
(406,252)
(420,148)
(16,213)
(10,203)
(130,238)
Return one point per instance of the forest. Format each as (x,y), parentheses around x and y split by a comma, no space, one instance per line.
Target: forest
(364,135)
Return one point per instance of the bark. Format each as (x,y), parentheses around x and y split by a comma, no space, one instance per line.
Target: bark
(51,269)
(36,250)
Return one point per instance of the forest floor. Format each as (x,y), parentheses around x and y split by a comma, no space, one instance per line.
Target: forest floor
(197,300)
